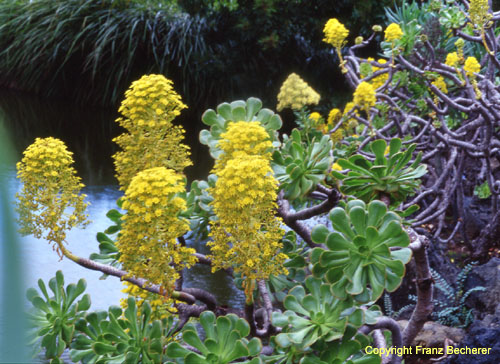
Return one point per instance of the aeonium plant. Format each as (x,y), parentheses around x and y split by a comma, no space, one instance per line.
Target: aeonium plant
(389,174)
(311,299)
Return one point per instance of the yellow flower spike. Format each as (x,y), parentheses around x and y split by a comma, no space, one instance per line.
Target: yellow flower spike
(471,66)
(246,234)
(452,59)
(315,116)
(157,257)
(333,117)
(379,80)
(50,203)
(440,84)
(244,138)
(151,139)
(364,96)
(478,12)
(393,33)
(335,33)
(337,136)
(295,93)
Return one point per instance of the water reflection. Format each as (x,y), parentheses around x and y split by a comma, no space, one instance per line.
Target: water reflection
(88,135)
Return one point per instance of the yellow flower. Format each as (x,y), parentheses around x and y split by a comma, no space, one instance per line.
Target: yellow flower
(352,122)
(471,66)
(246,235)
(335,33)
(315,116)
(337,136)
(243,138)
(387,150)
(162,307)
(478,12)
(333,117)
(151,140)
(295,93)
(441,84)
(379,80)
(393,32)
(364,96)
(50,203)
(452,59)
(157,256)
(336,167)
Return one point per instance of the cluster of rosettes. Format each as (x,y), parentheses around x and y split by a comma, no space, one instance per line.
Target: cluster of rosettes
(162,307)
(295,93)
(50,202)
(393,33)
(148,239)
(247,235)
(335,33)
(478,12)
(149,107)
(364,96)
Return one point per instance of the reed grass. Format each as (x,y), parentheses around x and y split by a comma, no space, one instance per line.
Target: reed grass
(94,47)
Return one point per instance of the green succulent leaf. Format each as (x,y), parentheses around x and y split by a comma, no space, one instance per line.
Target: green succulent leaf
(358,260)
(386,174)
(300,165)
(54,317)
(224,341)
(249,110)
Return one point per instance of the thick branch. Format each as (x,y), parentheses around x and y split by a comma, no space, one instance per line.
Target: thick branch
(387,323)
(424,304)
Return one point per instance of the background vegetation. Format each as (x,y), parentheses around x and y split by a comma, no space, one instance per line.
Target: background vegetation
(90,51)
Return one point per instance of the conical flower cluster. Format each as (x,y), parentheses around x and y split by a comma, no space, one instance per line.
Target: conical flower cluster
(151,140)
(148,240)
(50,202)
(335,33)
(295,93)
(247,234)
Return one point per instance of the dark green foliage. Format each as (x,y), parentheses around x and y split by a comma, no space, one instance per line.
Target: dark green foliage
(199,209)
(453,311)
(296,266)
(87,48)
(90,51)
(108,252)
(389,311)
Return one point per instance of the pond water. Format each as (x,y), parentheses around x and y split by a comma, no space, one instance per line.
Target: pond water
(88,135)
